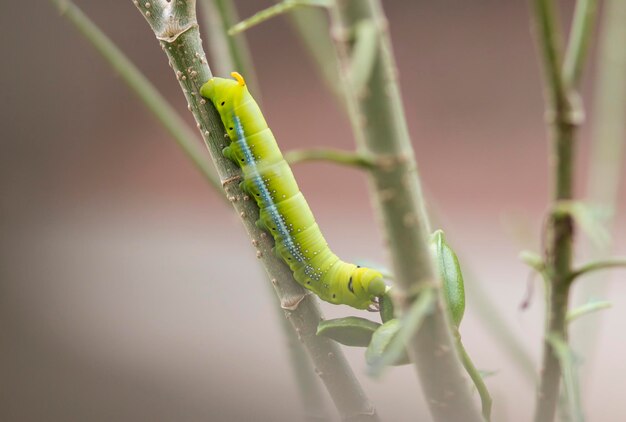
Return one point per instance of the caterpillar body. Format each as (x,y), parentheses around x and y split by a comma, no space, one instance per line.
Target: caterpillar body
(284,212)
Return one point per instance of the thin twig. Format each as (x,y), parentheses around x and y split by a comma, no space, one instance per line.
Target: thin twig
(273,11)
(230,53)
(477,379)
(549,38)
(345,158)
(175,25)
(147,93)
(579,39)
(559,250)
(311,26)
(605,178)
(564,117)
(586,309)
(596,266)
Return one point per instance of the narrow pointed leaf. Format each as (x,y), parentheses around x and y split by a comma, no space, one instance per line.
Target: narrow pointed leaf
(533,260)
(586,309)
(388,348)
(381,341)
(349,331)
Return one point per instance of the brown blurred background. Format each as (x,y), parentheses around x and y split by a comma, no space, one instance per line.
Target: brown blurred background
(128,290)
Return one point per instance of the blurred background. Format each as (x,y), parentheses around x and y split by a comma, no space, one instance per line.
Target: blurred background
(128,289)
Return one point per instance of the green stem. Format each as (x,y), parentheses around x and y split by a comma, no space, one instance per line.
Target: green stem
(140,85)
(175,26)
(609,126)
(597,265)
(345,158)
(564,119)
(230,53)
(586,309)
(559,252)
(479,383)
(378,121)
(311,26)
(310,393)
(273,11)
(579,39)
(606,163)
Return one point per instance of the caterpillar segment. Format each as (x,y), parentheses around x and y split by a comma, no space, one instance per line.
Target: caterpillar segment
(284,212)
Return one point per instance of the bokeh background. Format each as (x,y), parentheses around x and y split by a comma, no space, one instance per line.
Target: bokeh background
(128,289)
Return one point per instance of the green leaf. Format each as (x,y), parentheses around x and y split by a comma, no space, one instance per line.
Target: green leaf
(386,308)
(586,309)
(450,272)
(388,345)
(533,260)
(381,341)
(349,331)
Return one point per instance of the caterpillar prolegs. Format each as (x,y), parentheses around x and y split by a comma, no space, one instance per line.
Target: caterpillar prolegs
(283,210)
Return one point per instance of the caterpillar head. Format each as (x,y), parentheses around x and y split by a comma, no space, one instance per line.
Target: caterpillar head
(360,288)
(369,281)
(225,94)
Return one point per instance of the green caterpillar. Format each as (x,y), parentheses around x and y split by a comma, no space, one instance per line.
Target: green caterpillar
(283,210)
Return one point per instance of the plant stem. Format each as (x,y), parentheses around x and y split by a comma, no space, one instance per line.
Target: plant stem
(311,395)
(586,309)
(479,383)
(311,26)
(140,85)
(313,400)
(229,53)
(345,158)
(378,121)
(564,118)
(272,11)
(609,127)
(578,45)
(597,265)
(175,26)
(232,54)
(559,250)
(605,180)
